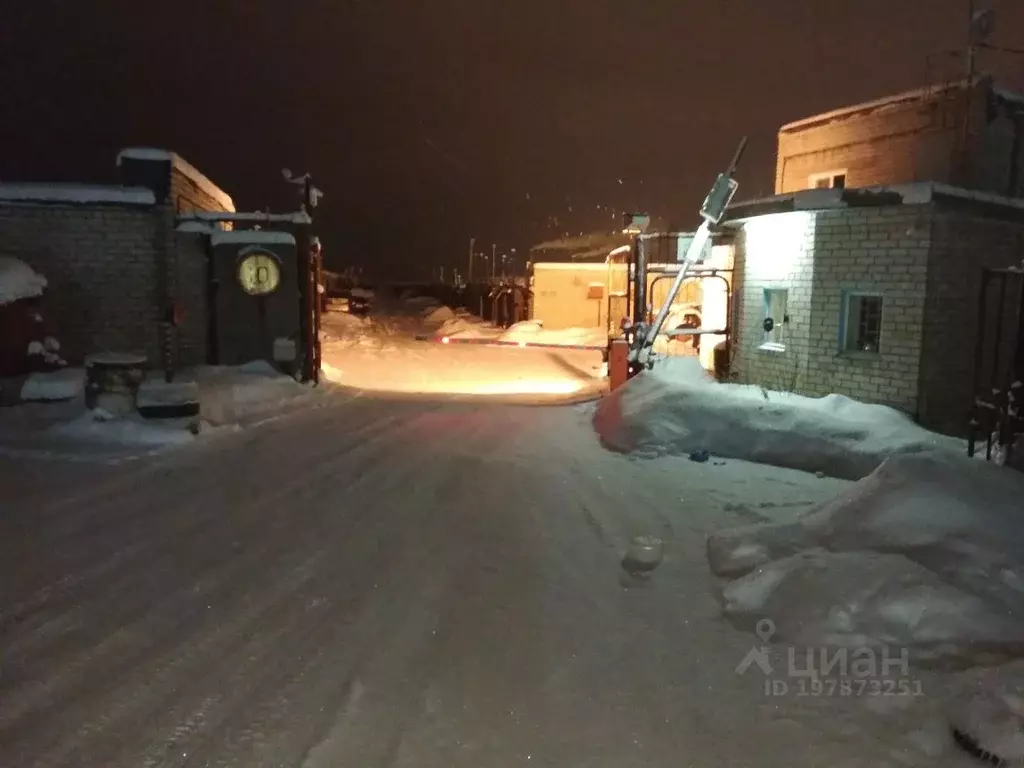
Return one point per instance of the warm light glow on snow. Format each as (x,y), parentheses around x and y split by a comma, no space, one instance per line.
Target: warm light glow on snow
(523,387)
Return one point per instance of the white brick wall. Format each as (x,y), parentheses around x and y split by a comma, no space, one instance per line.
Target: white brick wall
(817,256)
(871,250)
(773,251)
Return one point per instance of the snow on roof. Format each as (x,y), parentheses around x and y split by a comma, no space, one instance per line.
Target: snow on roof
(252,237)
(194,226)
(1011,97)
(185,168)
(918,94)
(18,281)
(32,192)
(298,217)
(917,193)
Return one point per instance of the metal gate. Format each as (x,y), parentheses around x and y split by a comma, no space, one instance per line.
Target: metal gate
(688,325)
(996,416)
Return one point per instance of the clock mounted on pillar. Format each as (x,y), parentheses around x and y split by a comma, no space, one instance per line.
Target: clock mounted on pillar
(259,272)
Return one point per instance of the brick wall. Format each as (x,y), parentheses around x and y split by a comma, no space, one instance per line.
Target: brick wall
(918,139)
(911,141)
(963,243)
(100,263)
(819,256)
(881,251)
(773,251)
(187,195)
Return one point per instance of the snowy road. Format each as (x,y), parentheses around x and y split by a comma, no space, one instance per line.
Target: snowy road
(369,584)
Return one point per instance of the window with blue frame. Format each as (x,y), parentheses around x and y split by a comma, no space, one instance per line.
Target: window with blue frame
(776,317)
(860,326)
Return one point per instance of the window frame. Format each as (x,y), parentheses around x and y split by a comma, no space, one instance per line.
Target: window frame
(845,325)
(814,178)
(767,343)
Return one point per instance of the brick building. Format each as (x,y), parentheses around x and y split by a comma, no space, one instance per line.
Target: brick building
(963,134)
(871,293)
(112,256)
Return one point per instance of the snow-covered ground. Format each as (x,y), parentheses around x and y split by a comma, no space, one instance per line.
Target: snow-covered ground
(382,353)
(528,331)
(920,564)
(54,421)
(677,408)
(413,584)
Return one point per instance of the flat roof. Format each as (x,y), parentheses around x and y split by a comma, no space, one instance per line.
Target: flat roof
(919,193)
(75,194)
(918,94)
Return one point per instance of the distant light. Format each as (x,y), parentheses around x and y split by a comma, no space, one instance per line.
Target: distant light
(445,340)
(522,343)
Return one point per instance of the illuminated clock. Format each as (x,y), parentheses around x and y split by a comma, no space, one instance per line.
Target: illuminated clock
(259,273)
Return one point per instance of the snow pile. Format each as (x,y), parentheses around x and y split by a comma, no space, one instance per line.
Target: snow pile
(65,384)
(469,326)
(419,302)
(677,408)
(47,352)
(989,710)
(925,554)
(346,329)
(438,315)
(533,331)
(18,281)
(228,395)
(100,426)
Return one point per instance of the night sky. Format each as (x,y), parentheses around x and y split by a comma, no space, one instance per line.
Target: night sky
(427,122)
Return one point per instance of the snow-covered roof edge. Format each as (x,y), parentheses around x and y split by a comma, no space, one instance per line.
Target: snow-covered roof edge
(298,217)
(925,92)
(918,193)
(79,194)
(183,166)
(252,237)
(195,227)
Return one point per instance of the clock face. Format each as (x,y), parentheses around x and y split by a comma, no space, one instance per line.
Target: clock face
(259,274)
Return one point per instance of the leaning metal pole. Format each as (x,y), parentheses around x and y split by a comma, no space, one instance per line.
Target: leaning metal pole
(712,212)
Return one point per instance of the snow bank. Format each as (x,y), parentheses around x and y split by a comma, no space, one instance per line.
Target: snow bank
(677,408)
(466,326)
(418,301)
(927,554)
(18,281)
(65,384)
(533,331)
(97,426)
(438,315)
(228,395)
(988,708)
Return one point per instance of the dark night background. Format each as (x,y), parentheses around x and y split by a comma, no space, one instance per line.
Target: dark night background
(427,122)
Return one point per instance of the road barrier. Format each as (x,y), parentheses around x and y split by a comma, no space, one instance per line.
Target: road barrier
(501,343)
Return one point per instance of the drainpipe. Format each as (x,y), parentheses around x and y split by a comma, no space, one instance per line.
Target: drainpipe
(640,280)
(1013,182)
